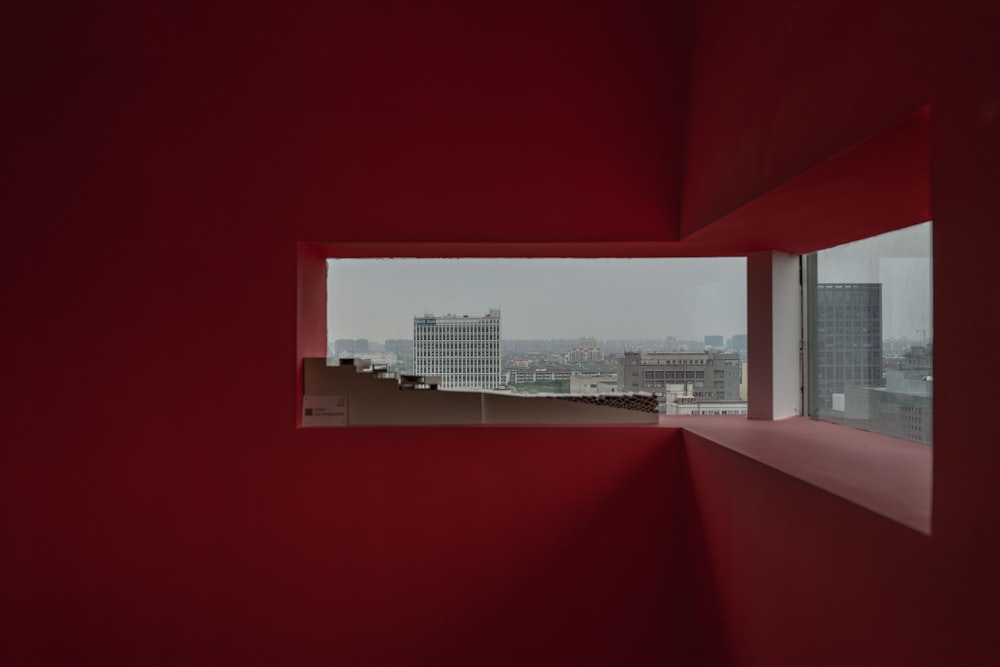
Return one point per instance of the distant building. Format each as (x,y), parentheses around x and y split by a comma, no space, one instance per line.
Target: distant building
(711,375)
(737,342)
(387,359)
(849,338)
(343,346)
(903,408)
(402,347)
(714,342)
(586,351)
(688,405)
(918,357)
(538,374)
(521,362)
(593,384)
(463,350)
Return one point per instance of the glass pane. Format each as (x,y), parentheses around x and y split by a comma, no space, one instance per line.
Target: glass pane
(872,337)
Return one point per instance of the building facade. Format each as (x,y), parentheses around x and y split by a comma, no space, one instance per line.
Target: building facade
(579,355)
(593,384)
(849,338)
(688,405)
(538,374)
(709,375)
(463,350)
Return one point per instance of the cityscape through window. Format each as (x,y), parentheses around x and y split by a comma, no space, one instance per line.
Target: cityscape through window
(869,307)
(673,327)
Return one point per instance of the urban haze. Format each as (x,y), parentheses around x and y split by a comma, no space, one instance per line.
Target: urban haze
(545,298)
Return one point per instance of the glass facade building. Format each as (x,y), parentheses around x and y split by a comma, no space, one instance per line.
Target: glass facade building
(849,338)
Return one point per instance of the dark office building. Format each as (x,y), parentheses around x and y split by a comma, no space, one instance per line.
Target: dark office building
(849,334)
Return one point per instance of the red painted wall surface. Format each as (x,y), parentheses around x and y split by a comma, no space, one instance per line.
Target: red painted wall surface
(157,504)
(802,577)
(778,87)
(161,162)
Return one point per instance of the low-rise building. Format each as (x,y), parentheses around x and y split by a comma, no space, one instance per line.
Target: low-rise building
(710,375)
(580,383)
(689,405)
(547,374)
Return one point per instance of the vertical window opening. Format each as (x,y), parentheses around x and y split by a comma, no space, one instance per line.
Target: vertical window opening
(869,332)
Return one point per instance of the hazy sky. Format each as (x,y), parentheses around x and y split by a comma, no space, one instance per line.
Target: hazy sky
(541,298)
(611,298)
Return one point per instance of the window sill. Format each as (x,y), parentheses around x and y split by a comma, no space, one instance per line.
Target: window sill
(888,476)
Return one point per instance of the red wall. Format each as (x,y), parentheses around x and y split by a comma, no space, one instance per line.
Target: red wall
(776,88)
(157,503)
(804,578)
(161,162)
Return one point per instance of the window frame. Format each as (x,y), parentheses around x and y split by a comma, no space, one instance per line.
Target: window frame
(810,330)
(877,185)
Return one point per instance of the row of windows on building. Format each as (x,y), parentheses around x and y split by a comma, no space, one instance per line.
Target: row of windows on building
(449,363)
(673,362)
(870,312)
(856,373)
(423,335)
(458,362)
(832,343)
(850,293)
(466,347)
(535,376)
(840,357)
(454,380)
(720,395)
(451,331)
(867,327)
(675,375)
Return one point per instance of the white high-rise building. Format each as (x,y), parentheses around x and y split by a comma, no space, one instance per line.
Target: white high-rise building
(463,350)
